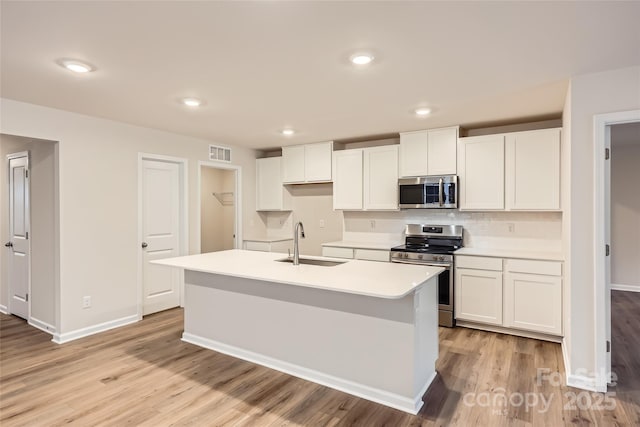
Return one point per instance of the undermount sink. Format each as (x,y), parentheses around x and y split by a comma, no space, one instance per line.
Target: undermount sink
(309,261)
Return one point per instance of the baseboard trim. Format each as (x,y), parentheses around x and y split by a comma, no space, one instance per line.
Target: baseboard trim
(626,288)
(582,382)
(393,400)
(509,331)
(4,309)
(91,330)
(43,326)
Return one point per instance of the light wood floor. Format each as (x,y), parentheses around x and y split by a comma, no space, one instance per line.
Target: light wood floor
(143,374)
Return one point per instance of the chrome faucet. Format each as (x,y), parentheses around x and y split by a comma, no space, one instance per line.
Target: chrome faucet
(296,249)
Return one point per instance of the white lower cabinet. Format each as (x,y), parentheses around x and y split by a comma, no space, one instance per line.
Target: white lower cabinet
(266,246)
(533,301)
(356,253)
(478,295)
(518,294)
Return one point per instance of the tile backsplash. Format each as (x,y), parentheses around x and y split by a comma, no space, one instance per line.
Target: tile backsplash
(505,230)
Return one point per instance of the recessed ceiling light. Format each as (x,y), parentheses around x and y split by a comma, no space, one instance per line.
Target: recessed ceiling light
(361,58)
(192,102)
(422,111)
(76,66)
(287,132)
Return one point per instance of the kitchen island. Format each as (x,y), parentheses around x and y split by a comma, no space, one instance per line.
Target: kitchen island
(366,328)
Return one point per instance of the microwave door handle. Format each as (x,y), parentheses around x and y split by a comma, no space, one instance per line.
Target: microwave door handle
(440,192)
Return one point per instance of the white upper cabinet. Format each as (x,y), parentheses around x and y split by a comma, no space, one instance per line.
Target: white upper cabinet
(428,152)
(381,178)
(512,171)
(307,163)
(414,148)
(532,167)
(481,172)
(366,178)
(293,164)
(271,195)
(347,179)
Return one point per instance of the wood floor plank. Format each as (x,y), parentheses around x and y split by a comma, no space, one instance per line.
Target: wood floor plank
(144,375)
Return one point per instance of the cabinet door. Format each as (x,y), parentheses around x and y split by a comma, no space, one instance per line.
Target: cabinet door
(268,184)
(442,151)
(532,161)
(481,171)
(381,178)
(478,296)
(251,245)
(334,252)
(347,179)
(533,302)
(413,153)
(293,164)
(317,161)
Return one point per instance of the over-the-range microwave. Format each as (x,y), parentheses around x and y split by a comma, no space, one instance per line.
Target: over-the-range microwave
(428,192)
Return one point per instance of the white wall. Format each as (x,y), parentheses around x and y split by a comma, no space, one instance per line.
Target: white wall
(42,234)
(605,92)
(216,219)
(625,214)
(311,203)
(98,164)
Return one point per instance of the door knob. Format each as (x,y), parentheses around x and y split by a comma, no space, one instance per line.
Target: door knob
(144,245)
(8,245)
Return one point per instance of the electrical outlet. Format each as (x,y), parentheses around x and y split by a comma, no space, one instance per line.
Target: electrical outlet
(511,227)
(86,302)
(322,223)
(373,224)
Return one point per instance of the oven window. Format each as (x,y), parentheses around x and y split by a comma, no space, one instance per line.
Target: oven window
(433,194)
(444,296)
(412,194)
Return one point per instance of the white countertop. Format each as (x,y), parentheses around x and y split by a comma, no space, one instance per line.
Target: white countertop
(267,239)
(511,253)
(384,246)
(370,278)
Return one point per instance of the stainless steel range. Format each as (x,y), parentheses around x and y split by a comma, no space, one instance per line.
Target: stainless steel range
(433,245)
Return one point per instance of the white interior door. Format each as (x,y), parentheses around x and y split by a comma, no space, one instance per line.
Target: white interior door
(160,234)
(18,246)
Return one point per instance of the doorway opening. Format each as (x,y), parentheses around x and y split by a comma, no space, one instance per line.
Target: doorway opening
(625,253)
(219,208)
(605,129)
(29,222)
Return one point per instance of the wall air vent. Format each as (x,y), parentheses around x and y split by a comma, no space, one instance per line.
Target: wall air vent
(220,154)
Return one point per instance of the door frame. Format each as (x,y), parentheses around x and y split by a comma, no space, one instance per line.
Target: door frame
(602,305)
(10,157)
(237,201)
(183,240)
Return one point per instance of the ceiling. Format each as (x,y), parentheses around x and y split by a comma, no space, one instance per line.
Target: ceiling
(262,66)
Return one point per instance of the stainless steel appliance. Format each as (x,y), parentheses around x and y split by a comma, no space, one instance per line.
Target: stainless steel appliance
(433,245)
(440,192)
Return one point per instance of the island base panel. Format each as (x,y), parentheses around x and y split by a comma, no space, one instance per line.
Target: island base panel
(380,349)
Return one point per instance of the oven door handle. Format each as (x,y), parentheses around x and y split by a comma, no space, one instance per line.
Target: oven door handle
(445,265)
(441,192)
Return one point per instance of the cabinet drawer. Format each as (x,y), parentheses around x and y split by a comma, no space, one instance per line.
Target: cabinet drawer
(331,251)
(257,246)
(547,268)
(479,263)
(372,255)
